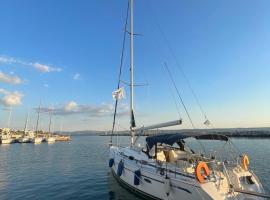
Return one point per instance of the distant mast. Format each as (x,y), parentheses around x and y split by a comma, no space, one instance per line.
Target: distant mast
(26,123)
(50,124)
(9,117)
(39,107)
(132,120)
(61,126)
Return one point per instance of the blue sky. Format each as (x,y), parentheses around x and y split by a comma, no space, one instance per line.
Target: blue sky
(67,54)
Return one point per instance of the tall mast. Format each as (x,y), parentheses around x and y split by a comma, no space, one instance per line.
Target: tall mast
(132,120)
(9,117)
(61,126)
(26,122)
(38,117)
(50,124)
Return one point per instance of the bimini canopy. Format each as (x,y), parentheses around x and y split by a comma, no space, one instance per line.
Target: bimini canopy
(172,138)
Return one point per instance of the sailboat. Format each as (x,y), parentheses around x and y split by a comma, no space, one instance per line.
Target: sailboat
(37,139)
(6,136)
(166,169)
(49,138)
(25,137)
(5,133)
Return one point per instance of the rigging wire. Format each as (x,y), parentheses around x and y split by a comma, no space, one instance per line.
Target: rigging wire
(179,95)
(182,102)
(183,74)
(174,99)
(207,121)
(120,71)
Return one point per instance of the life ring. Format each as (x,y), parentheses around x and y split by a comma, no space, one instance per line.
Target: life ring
(245,162)
(201,166)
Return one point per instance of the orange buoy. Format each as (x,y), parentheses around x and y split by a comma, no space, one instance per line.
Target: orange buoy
(245,162)
(201,171)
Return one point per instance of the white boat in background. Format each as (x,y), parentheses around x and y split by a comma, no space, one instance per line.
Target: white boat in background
(167,169)
(34,138)
(6,141)
(50,139)
(31,137)
(6,136)
(25,139)
(37,140)
(27,135)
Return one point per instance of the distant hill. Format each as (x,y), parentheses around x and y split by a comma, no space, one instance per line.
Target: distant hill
(230,132)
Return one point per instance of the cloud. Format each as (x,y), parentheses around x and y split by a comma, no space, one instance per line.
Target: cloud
(36,65)
(45,68)
(7,60)
(45,85)
(5,78)
(77,76)
(73,108)
(10,98)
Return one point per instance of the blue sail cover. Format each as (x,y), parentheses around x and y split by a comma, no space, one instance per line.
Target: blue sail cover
(171,138)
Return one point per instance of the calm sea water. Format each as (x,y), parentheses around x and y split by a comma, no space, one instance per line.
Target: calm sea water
(79,169)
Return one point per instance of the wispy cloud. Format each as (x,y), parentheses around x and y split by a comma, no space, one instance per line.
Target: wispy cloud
(10,98)
(73,108)
(5,78)
(44,68)
(77,76)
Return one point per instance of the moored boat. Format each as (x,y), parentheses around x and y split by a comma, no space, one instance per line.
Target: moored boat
(50,139)
(25,139)
(6,140)
(169,169)
(62,138)
(6,136)
(27,134)
(37,140)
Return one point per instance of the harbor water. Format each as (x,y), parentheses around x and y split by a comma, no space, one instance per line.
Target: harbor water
(79,169)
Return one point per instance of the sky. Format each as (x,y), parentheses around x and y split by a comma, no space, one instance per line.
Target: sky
(65,55)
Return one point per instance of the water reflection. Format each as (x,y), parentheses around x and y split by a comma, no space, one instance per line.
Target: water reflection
(117,192)
(79,169)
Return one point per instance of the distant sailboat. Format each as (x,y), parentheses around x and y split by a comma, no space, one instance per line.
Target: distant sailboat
(5,133)
(6,136)
(167,169)
(25,137)
(49,137)
(37,139)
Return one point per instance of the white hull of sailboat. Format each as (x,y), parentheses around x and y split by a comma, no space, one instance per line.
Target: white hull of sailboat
(174,173)
(37,140)
(50,139)
(25,140)
(154,185)
(6,141)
